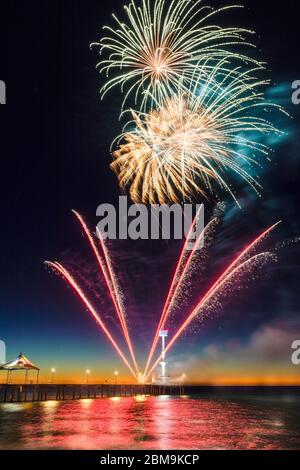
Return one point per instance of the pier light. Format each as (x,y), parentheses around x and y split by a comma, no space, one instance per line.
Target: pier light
(116,373)
(87,373)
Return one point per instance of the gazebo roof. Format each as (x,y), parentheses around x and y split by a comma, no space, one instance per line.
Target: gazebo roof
(21,363)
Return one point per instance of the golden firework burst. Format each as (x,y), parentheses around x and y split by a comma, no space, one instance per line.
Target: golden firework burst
(195,141)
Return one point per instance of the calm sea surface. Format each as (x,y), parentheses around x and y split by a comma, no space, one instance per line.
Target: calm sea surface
(237,422)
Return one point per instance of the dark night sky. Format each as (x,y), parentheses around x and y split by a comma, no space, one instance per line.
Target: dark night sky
(55,139)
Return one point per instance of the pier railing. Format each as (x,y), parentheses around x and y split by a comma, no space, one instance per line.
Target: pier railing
(14,393)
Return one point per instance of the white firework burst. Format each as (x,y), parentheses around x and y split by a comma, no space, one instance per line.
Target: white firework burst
(157,49)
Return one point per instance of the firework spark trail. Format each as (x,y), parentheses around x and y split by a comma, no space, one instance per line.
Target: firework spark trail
(71,281)
(199,256)
(185,264)
(117,295)
(189,265)
(179,274)
(183,269)
(110,280)
(178,280)
(234,265)
(247,251)
(162,44)
(214,290)
(102,265)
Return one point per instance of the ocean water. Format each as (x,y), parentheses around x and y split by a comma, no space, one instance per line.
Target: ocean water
(223,422)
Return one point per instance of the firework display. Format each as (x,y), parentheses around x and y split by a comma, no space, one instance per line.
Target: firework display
(247,262)
(71,281)
(200,104)
(199,122)
(111,282)
(150,230)
(244,263)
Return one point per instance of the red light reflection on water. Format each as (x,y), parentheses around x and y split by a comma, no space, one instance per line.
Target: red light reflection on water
(147,423)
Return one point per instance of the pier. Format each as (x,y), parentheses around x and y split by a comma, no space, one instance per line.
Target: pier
(15,393)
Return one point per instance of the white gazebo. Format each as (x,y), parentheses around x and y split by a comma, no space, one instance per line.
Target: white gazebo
(21,363)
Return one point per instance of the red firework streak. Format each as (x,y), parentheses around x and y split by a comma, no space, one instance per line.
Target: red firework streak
(71,281)
(233,267)
(175,284)
(109,277)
